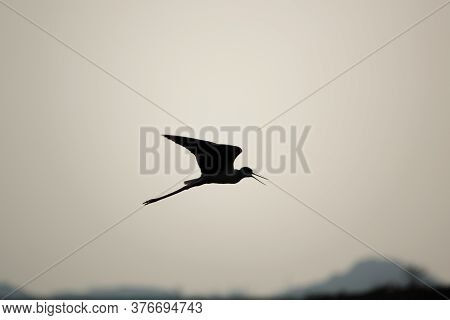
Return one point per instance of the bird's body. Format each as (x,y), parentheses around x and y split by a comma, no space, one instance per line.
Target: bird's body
(215,162)
(220,178)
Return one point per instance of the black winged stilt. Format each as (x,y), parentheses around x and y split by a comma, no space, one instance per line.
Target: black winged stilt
(215,162)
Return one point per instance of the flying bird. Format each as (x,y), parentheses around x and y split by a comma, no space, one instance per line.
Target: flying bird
(215,162)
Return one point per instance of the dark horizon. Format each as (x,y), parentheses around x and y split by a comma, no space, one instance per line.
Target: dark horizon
(367,279)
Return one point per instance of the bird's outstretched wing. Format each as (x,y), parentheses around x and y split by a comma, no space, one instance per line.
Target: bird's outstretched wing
(212,158)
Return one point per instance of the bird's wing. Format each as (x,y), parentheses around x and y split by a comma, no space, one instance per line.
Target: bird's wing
(212,158)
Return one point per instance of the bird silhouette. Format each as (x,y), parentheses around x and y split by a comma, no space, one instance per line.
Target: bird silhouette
(215,162)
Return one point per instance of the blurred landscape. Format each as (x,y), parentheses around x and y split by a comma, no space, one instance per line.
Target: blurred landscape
(367,279)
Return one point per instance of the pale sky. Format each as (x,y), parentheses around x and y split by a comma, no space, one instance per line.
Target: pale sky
(378,148)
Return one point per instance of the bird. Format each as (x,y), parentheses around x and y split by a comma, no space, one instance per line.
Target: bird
(215,162)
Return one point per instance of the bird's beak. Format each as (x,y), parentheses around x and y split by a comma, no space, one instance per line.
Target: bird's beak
(258,180)
(260,176)
(257,175)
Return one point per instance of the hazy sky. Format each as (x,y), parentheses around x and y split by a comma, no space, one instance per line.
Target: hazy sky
(378,148)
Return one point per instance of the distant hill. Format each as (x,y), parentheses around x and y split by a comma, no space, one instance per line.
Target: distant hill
(368,279)
(362,277)
(6,289)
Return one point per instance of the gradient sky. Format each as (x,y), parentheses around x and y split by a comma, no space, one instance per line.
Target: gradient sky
(378,148)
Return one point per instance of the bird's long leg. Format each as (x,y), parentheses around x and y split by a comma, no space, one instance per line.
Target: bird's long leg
(170,194)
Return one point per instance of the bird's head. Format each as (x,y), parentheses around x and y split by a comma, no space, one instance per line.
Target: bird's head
(248,173)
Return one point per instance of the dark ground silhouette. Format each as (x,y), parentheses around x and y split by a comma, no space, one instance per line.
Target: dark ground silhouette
(390,293)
